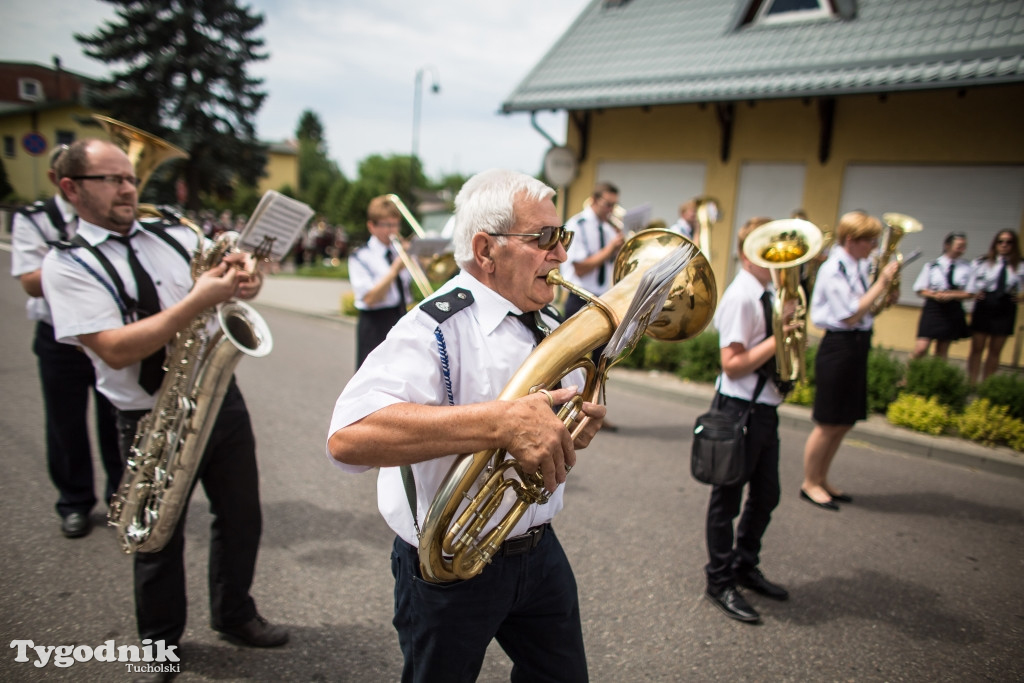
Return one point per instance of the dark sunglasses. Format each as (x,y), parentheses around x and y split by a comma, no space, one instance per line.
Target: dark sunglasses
(547,238)
(1004,241)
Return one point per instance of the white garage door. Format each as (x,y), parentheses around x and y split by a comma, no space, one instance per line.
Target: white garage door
(772,190)
(978,201)
(663,185)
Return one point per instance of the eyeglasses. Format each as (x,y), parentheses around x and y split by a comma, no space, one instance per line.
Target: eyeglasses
(547,238)
(111,179)
(1004,241)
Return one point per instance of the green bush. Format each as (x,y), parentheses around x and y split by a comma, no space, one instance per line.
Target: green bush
(348,304)
(933,376)
(700,359)
(635,359)
(802,395)
(1004,390)
(660,355)
(991,425)
(885,373)
(919,413)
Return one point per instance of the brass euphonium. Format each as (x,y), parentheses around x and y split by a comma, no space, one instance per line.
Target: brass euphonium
(457,550)
(897,225)
(782,246)
(170,439)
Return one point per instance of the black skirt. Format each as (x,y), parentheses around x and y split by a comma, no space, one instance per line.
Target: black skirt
(942,320)
(841,378)
(994,315)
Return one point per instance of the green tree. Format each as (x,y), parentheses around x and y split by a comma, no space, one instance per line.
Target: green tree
(319,177)
(183,77)
(379,175)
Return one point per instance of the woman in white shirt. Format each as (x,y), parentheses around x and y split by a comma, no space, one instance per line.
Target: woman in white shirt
(995,282)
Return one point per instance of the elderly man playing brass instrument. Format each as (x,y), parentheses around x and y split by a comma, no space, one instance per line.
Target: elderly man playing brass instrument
(428,392)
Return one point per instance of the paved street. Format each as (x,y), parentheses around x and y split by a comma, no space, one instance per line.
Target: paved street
(918,580)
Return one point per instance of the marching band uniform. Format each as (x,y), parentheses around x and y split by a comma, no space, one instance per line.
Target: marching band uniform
(67,377)
(741,317)
(842,359)
(591,236)
(366,267)
(682,227)
(459,347)
(996,312)
(87,303)
(943,320)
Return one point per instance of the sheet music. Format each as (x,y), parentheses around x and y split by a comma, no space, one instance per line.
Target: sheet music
(636,219)
(651,294)
(274,225)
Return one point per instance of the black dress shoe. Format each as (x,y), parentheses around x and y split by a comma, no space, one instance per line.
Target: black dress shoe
(755,581)
(257,632)
(841,497)
(830,505)
(75,525)
(732,603)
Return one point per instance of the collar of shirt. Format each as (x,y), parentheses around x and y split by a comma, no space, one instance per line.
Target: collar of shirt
(66,209)
(375,246)
(94,234)
(852,266)
(491,308)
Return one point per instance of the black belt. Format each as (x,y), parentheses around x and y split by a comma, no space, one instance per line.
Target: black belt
(519,545)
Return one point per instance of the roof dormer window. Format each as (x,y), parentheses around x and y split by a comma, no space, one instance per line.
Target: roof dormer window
(30,90)
(788,11)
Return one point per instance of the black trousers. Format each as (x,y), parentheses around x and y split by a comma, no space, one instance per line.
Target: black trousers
(372,328)
(67,378)
(230,479)
(729,553)
(527,602)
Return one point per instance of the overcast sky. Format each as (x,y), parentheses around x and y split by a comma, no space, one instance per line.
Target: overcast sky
(354,63)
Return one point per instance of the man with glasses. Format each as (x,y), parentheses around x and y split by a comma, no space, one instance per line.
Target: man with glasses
(122,291)
(429,392)
(378,278)
(66,375)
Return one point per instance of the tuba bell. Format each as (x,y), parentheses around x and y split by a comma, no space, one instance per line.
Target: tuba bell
(782,246)
(897,225)
(169,441)
(453,548)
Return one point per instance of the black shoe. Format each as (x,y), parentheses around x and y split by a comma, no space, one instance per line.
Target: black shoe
(257,632)
(755,581)
(841,497)
(732,603)
(830,505)
(75,525)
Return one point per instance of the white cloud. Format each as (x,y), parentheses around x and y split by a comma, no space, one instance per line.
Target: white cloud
(353,62)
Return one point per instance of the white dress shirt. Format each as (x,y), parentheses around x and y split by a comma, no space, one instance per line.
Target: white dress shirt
(681,227)
(29,237)
(840,284)
(934,275)
(986,274)
(740,318)
(366,267)
(82,304)
(485,347)
(588,241)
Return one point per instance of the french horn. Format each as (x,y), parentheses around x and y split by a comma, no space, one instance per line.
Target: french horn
(451,547)
(782,246)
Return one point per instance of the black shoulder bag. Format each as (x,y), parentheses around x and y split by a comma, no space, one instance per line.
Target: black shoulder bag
(718,455)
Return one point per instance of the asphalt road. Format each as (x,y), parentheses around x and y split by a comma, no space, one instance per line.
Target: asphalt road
(918,580)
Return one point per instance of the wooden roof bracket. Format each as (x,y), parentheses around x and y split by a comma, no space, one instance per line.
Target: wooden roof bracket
(725,112)
(826,117)
(582,120)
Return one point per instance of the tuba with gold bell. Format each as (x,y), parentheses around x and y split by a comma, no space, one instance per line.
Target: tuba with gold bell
(897,225)
(452,544)
(782,246)
(169,441)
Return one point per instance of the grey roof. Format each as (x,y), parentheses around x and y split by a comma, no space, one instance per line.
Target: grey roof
(647,52)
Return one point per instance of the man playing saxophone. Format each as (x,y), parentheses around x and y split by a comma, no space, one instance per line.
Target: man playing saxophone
(122,291)
(428,392)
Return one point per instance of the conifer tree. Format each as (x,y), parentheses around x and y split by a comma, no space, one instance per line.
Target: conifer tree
(180,73)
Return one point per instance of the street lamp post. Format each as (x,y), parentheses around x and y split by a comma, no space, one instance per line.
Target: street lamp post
(435,87)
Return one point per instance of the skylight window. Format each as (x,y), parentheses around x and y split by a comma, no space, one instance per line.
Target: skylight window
(786,11)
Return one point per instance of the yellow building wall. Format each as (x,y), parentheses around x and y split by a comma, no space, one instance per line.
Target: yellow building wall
(282,170)
(27,173)
(975,126)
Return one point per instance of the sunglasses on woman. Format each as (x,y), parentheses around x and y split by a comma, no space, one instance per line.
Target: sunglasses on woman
(547,238)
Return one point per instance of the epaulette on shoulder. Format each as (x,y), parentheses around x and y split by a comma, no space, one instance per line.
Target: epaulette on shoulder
(34,207)
(63,245)
(552,312)
(581,219)
(166,219)
(442,307)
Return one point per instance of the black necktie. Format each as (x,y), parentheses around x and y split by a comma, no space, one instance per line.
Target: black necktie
(390,255)
(530,321)
(770,367)
(1001,279)
(600,269)
(949,275)
(151,369)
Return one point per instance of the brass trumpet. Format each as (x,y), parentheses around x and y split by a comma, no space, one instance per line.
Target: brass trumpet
(441,267)
(897,225)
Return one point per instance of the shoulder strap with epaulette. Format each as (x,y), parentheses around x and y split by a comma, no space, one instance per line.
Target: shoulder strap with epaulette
(440,308)
(52,211)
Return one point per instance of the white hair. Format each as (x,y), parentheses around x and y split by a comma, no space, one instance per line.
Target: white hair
(486,203)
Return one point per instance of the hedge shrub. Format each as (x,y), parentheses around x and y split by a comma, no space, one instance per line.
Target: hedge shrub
(700,359)
(934,376)
(885,373)
(991,425)
(921,414)
(1004,390)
